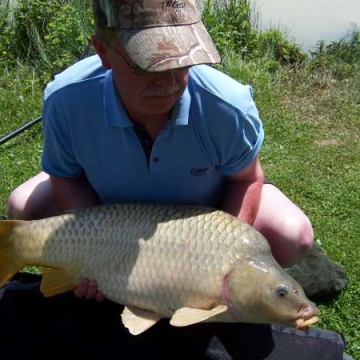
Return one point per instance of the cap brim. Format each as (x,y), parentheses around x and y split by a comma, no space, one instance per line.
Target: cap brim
(165,48)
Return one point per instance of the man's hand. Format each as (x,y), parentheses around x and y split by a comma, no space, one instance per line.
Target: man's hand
(88,289)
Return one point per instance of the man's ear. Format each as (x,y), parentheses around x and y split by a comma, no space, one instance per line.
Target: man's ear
(102,51)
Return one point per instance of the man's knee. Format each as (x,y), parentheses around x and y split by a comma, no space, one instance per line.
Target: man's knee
(290,239)
(15,205)
(299,236)
(32,200)
(306,238)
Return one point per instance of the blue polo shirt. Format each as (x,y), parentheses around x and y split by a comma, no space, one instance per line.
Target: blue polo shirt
(214,131)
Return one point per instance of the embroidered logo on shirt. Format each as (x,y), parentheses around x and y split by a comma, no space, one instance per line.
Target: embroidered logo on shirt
(199,172)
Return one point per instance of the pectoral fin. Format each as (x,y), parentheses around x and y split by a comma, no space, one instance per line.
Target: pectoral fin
(55,281)
(138,320)
(188,316)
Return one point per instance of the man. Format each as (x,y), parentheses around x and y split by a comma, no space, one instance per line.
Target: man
(144,121)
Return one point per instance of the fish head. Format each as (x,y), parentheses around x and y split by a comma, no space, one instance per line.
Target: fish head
(260,291)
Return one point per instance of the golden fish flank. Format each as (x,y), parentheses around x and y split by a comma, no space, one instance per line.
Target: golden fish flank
(186,263)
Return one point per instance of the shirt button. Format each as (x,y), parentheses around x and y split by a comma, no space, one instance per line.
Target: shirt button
(156,159)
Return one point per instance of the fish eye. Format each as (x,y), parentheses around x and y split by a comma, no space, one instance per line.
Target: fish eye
(283,289)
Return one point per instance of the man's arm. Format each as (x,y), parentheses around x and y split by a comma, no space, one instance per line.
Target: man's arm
(243,192)
(73,193)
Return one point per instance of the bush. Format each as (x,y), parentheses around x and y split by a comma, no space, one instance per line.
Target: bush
(341,57)
(274,44)
(229,24)
(5,33)
(48,34)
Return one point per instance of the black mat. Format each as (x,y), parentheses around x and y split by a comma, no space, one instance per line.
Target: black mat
(32,326)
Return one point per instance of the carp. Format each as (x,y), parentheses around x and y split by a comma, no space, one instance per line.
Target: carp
(187,263)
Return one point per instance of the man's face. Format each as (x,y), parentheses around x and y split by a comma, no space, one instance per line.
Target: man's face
(142,94)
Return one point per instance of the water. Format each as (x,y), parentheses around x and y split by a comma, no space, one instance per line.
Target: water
(308,21)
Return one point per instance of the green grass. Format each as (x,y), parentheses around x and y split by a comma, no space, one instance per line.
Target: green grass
(20,99)
(312,152)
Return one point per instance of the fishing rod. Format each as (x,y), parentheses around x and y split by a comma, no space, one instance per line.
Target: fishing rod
(32,122)
(19,130)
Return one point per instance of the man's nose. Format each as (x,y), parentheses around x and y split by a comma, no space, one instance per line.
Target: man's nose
(165,79)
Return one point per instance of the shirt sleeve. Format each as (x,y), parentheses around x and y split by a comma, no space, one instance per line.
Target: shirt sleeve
(244,144)
(58,158)
(237,133)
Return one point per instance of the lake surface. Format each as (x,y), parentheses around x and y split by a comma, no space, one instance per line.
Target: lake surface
(308,21)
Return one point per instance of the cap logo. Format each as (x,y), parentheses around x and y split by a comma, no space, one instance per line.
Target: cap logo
(175,7)
(173,4)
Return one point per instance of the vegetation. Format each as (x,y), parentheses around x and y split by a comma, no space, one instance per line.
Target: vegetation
(310,104)
(46,35)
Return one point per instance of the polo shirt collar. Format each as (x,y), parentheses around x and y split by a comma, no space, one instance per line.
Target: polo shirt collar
(116,114)
(180,113)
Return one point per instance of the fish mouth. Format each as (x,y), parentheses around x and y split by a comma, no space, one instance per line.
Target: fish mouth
(308,317)
(304,324)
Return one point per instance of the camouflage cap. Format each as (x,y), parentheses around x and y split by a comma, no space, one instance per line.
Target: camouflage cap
(159,35)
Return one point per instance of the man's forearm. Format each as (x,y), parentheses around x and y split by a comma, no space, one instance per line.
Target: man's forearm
(73,193)
(242,199)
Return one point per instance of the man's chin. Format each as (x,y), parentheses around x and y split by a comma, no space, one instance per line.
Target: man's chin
(159,104)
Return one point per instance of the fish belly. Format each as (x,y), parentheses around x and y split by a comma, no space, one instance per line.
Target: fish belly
(154,257)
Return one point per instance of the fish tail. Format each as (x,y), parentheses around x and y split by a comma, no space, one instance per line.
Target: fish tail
(9,260)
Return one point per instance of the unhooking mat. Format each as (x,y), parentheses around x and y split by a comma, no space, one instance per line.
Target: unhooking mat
(64,327)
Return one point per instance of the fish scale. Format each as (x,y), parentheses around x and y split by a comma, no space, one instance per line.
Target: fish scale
(184,262)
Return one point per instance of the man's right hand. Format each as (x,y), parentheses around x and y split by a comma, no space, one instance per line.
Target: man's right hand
(88,289)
